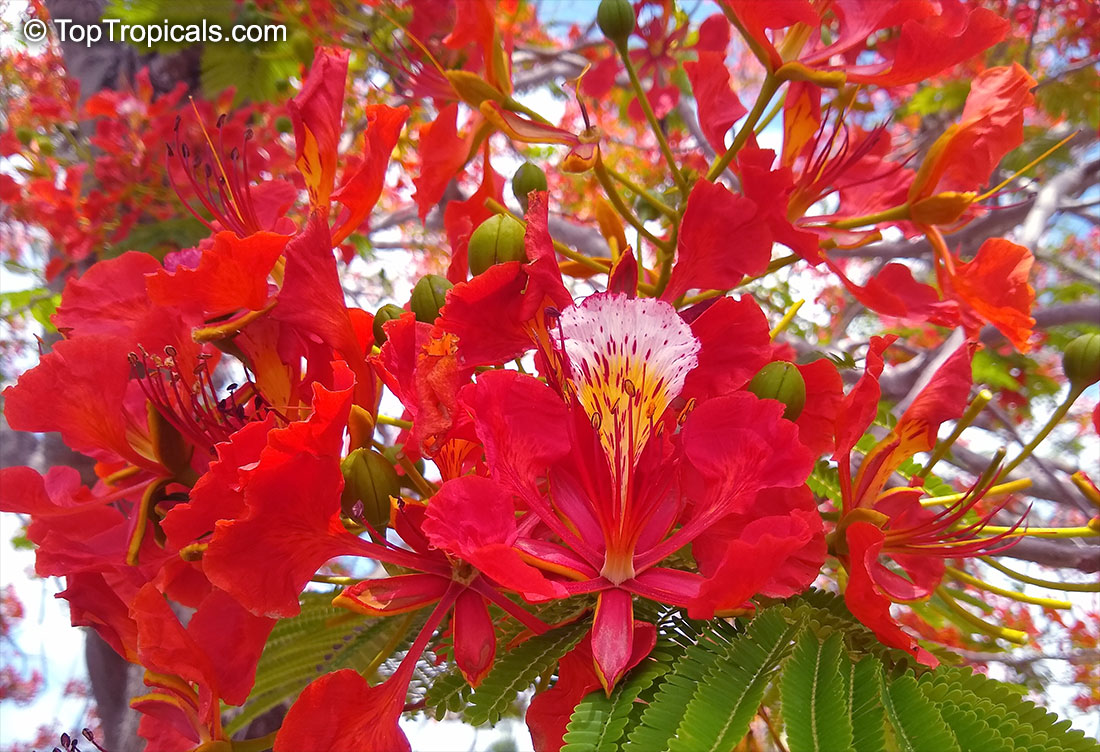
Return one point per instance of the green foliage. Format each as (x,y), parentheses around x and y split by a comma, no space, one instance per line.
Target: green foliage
(599,721)
(839,689)
(516,670)
(256,71)
(39,303)
(815,700)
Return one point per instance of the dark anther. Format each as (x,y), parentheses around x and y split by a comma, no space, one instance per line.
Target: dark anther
(221,119)
(170,152)
(209,172)
(231,388)
(248,135)
(176,127)
(170,351)
(235,154)
(185,151)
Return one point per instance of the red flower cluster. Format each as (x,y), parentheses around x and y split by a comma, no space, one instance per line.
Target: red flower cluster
(637,464)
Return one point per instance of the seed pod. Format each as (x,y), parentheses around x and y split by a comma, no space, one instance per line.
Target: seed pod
(428,296)
(616,20)
(781,381)
(496,240)
(369,482)
(1081,361)
(388,312)
(527,178)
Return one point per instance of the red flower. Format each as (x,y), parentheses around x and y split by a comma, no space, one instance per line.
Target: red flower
(593,459)
(890,522)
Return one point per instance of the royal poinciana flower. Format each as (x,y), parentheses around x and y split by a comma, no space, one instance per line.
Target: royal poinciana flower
(892,546)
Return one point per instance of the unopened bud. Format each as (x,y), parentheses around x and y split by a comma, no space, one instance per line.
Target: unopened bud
(428,296)
(1081,361)
(388,312)
(496,240)
(527,178)
(781,381)
(616,20)
(369,482)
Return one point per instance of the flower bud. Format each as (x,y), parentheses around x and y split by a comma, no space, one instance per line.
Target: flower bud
(388,312)
(1081,361)
(781,381)
(428,296)
(527,178)
(496,240)
(369,482)
(616,20)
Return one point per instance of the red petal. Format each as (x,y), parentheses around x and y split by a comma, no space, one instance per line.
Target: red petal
(231,275)
(929,46)
(725,362)
(824,395)
(740,445)
(109,298)
(461,218)
(360,191)
(750,562)
(341,712)
(705,258)
(618,642)
(719,107)
(995,286)
(771,190)
(894,292)
(392,595)
(475,637)
(317,113)
(522,424)
(756,17)
(474,518)
(860,406)
(80,390)
(864,599)
(312,300)
(442,153)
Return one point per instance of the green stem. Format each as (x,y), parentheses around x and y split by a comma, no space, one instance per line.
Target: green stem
(1071,587)
(657,203)
(1055,419)
(620,205)
(651,118)
(976,406)
(767,90)
(888,215)
(775,110)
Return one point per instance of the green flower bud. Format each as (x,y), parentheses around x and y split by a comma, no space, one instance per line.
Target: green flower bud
(369,482)
(782,382)
(1081,361)
(388,312)
(527,178)
(616,20)
(496,240)
(428,296)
